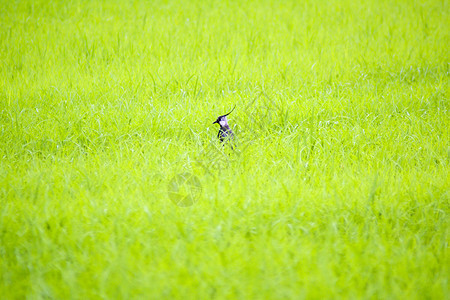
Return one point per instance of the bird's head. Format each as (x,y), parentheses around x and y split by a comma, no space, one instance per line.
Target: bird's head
(222,120)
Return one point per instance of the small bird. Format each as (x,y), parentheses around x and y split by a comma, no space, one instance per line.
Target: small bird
(225,132)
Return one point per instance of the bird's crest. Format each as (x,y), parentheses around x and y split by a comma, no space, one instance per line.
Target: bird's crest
(230,111)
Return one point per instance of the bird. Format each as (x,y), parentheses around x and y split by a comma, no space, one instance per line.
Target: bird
(225,132)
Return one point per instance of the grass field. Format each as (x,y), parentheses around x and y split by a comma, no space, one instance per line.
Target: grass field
(339,186)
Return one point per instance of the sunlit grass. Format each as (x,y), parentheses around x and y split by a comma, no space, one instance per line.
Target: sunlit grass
(339,187)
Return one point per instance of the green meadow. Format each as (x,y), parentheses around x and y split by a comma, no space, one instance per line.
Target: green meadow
(113,184)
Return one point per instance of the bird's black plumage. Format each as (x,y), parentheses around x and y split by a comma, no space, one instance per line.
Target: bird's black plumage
(225,133)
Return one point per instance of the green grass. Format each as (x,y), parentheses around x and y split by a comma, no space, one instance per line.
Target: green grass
(340,186)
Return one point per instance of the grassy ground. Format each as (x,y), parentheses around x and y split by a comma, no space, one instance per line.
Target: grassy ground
(339,187)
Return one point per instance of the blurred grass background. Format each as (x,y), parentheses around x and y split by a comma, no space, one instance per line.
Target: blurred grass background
(341,190)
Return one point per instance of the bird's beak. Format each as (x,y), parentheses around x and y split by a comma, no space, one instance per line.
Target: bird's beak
(215,122)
